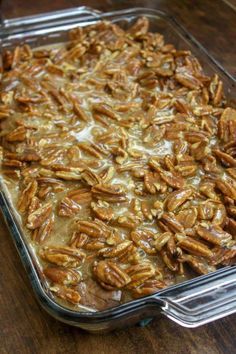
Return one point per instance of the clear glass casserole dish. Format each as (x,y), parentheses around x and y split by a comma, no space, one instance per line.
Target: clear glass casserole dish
(191,303)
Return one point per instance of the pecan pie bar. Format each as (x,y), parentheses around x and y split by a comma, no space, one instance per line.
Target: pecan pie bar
(119,154)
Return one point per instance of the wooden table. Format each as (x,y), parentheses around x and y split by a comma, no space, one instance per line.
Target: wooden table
(24,326)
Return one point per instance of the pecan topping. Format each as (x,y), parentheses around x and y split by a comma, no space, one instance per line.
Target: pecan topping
(119,154)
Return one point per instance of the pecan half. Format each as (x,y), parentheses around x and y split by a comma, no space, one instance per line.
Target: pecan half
(90,177)
(68,175)
(144,239)
(62,256)
(139,273)
(172,224)
(199,265)
(111,193)
(62,275)
(227,125)
(161,240)
(18,134)
(149,287)
(102,210)
(219,217)
(232,172)
(116,251)
(187,79)
(80,196)
(216,89)
(177,198)
(226,188)
(213,234)
(37,217)
(27,195)
(128,221)
(104,109)
(207,189)
(226,159)
(187,217)
(66,293)
(193,246)
(43,232)
(153,183)
(110,276)
(171,262)
(200,150)
(172,179)
(67,207)
(225,256)
(96,229)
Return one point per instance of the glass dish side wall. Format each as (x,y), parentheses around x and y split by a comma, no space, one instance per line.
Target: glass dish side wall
(53,29)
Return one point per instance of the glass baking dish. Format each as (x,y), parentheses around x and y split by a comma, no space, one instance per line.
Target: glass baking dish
(191,303)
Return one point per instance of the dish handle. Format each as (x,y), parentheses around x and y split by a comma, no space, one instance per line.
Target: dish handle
(206,299)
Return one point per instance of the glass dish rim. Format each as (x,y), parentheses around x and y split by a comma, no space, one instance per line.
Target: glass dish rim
(15,230)
(95,15)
